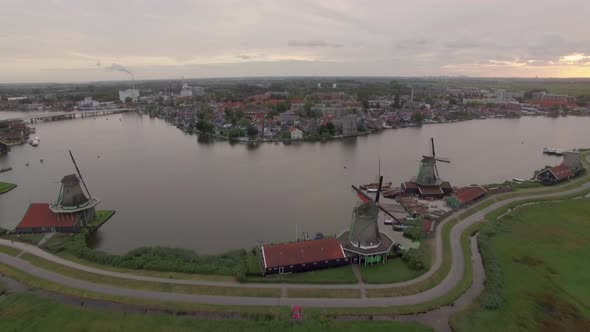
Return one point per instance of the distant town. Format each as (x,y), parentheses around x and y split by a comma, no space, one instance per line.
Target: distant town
(295,109)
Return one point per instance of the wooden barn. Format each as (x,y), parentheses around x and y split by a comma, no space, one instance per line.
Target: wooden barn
(302,256)
(555,174)
(40,219)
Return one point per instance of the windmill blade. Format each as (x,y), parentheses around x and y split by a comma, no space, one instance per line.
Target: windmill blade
(79,174)
(432,141)
(442,160)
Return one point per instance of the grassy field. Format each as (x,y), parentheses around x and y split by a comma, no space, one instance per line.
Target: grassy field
(100,217)
(543,251)
(6,187)
(9,250)
(394,270)
(153,286)
(23,312)
(147,273)
(26,238)
(339,275)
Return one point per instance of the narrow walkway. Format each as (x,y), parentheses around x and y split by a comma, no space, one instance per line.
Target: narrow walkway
(45,238)
(357,273)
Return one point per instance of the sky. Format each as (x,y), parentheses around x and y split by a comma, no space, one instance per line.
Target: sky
(65,41)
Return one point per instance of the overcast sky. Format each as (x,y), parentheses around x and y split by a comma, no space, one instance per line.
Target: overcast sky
(96,40)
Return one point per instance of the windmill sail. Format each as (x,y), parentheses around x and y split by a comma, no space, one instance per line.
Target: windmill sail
(79,174)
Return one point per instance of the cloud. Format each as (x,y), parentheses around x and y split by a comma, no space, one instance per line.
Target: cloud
(413,43)
(461,43)
(246,56)
(313,43)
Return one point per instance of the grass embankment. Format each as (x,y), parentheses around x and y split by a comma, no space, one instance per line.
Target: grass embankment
(6,187)
(23,312)
(100,217)
(396,269)
(259,314)
(9,250)
(160,259)
(25,238)
(152,286)
(542,251)
(337,275)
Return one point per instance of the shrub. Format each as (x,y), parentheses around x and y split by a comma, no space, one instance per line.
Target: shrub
(491,298)
(160,258)
(414,258)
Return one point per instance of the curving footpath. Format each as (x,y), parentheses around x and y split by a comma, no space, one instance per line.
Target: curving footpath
(451,280)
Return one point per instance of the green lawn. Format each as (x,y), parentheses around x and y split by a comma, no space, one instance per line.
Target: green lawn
(154,286)
(543,251)
(25,312)
(394,270)
(9,250)
(6,187)
(100,217)
(338,275)
(26,238)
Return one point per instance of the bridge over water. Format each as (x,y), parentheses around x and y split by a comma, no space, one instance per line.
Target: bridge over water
(54,116)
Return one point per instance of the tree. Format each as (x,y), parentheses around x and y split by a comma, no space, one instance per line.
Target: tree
(205,126)
(128,100)
(307,109)
(396,103)
(331,128)
(418,117)
(244,122)
(251,131)
(415,259)
(282,107)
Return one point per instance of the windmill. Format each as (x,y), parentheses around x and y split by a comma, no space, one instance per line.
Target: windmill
(428,172)
(72,201)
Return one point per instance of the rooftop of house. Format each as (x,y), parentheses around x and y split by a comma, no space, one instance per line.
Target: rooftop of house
(38,215)
(295,253)
(468,194)
(562,172)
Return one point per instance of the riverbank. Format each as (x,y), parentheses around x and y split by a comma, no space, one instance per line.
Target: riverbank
(257,140)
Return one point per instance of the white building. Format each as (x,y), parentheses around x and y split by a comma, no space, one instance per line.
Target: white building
(131,93)
(295,133)
(191,91)
(88,103)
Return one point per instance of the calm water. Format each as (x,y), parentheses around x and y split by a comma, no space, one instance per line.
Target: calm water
(169,189)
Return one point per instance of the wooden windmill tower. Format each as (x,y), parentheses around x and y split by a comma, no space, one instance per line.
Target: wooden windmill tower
(428,172)
(72,202)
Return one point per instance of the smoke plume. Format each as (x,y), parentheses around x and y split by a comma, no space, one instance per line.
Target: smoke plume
(118,67)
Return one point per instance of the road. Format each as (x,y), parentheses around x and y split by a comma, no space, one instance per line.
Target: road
(441,289)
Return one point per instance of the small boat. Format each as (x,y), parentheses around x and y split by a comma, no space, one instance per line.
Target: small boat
(35,142)
(553,151)
(372,190)
(518,180)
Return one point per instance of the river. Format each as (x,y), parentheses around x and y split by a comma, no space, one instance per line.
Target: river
(170,189)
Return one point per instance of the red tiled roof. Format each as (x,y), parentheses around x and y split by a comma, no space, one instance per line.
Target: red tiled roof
(468,194)
(562,172)
(295,253)
(292,129)
(39,215)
